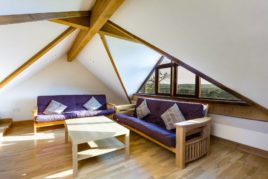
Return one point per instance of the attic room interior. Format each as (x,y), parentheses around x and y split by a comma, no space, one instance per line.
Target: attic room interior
(100,89)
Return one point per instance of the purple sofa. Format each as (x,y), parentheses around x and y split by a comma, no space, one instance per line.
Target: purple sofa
(75,107)
(153,126)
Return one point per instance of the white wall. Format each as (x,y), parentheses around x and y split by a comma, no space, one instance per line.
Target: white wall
(60,77)
(95,58)
(134,61)
(248,132)
(19,42)
(226,40)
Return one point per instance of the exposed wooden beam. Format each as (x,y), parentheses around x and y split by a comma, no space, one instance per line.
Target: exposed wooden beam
(36,57)
(82,23)
(114,66)
(111,30)
(12,19)
(100,13)
(197,72)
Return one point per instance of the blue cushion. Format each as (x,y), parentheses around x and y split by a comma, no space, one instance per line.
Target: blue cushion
(55,117)
(86,113)
(167,137)
(72,115)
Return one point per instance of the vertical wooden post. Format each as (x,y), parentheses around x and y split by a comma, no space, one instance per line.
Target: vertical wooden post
(75,161)
(66,133)
(35,129)
(180,147)
(127,148)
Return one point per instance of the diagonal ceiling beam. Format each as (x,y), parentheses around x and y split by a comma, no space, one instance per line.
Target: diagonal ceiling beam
(114,66)
(36,57)
(100,13)
(110,30)
(20,18)
(82,23)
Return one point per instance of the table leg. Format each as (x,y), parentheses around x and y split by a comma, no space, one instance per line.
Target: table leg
(75,162)
(127,150)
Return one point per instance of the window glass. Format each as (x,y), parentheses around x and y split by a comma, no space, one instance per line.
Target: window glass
(165,61)
(209,90)
(149,86)
(164,77)
(185,82)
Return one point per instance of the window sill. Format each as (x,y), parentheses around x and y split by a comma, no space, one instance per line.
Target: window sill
(192,99)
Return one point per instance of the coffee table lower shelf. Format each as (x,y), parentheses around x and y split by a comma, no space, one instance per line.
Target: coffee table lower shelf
(100,147)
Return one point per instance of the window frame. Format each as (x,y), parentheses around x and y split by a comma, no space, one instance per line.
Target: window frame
(196,94)
(173,86)
(159,67)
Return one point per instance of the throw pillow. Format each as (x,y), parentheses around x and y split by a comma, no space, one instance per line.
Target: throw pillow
(92,104)
(54,107)
(172,116)
(142,110)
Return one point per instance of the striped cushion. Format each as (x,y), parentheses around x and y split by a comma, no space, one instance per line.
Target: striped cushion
(55,107)
(92,104)
(142,110)
(172,116)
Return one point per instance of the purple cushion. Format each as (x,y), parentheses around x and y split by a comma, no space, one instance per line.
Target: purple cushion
(86,113)
(167,137)
(73,102)
(55,117)
(158,107)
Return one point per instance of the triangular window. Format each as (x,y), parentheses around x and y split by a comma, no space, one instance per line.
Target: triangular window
(211,91)
(149,86)
(171,79)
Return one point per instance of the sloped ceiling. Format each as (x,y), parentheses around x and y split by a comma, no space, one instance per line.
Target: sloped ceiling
(226,40)
(19,42)
(41,6)
(96,60)
(18,46)
(134,61)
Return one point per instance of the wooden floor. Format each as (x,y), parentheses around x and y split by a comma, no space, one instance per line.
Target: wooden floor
(47,156)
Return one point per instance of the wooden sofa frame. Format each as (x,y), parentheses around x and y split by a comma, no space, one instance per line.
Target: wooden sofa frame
(61,122)
(185,150)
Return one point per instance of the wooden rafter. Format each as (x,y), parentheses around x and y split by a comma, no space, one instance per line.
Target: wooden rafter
(114,66)
(36,57)
(100,13)
(110,30)
(12,19)
(188,67)
(82,23)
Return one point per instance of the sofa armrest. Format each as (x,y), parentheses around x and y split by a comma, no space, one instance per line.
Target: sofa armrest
(111,105)
(34,112)
(194,123)
(189,150)
(125,109)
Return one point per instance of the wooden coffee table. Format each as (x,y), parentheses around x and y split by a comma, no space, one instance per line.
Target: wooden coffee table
(99,133)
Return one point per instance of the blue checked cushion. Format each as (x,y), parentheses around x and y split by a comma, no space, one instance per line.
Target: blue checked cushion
(142,110)
(172,116)
(92,104)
